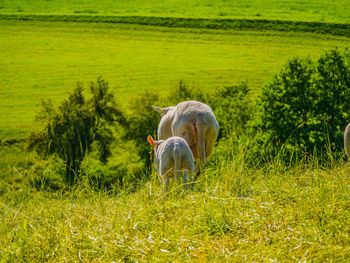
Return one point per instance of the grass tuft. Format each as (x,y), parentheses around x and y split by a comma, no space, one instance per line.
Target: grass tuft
(234,212)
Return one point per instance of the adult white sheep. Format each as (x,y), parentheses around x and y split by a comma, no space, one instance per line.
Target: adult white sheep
(347,140)
(172,154)
(195,122)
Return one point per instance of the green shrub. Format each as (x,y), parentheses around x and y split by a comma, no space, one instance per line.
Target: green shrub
(301,114)
(305,109)
(233,108)
(47,174)
(123,168)
(183,92)
(331,99)
(71,129)
(142,121)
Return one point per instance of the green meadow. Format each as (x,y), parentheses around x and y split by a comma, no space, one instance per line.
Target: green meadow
(237,211)
(44,60)
(292,10)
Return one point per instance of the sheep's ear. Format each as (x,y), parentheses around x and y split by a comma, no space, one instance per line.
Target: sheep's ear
(151,141)
(158,109)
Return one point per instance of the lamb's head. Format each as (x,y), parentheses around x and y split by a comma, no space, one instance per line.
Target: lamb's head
(164,111)
(156,145)
(153,142)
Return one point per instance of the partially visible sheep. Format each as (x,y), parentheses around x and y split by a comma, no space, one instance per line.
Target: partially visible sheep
(172,153)
(347,140)
(195,122)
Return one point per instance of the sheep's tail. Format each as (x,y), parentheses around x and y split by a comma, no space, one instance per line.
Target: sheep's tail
(177,163)
(200,130)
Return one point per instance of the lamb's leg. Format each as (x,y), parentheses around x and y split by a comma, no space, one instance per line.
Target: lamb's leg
(166,182)
(201,129)
(164,174)
(185,180)
(201,144)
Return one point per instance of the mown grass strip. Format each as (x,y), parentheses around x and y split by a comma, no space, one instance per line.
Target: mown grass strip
(237,24)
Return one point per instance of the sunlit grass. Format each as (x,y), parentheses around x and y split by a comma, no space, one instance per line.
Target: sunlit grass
(234,213)
(296,10)
(41,60)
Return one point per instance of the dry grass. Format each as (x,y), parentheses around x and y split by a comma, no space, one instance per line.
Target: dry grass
(234,213)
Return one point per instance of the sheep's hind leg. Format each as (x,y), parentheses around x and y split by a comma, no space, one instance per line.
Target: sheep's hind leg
(198,170)
(166,182)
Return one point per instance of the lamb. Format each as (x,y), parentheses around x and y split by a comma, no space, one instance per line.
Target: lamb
(195,122)
(173,153)
(347,140)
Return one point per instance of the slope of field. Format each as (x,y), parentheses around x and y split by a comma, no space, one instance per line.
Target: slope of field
(40,60)
(232,214)
(293,10)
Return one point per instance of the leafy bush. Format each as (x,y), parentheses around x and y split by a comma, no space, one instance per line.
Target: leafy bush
(331,98)
(71,129)
(142,121)
(233,108)
(184,93)
(305,109)
(123,168)
(301,113)
(47,174)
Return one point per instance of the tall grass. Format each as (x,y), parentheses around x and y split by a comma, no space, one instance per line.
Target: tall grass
(233,213)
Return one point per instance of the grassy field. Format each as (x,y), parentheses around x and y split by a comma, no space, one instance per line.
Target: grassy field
(234,213)
(42,60)
(293,10)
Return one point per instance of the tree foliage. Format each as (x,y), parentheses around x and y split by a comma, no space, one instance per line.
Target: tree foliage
(233,108)
(79,122)
(302,112)
(305,108)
